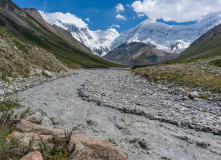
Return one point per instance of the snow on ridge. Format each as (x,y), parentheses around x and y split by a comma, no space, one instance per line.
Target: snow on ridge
(99,41)
(63,17)
(169,38)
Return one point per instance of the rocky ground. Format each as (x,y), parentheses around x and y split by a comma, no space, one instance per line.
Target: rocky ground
(60,106)
(14,85)
(133,94)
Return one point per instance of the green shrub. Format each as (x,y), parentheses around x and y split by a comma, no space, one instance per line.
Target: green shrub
(11,103)
(216,62)
(13,149)
(59,149)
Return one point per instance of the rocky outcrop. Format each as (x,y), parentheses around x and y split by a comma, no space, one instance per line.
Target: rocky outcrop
(33,156)
(88,147)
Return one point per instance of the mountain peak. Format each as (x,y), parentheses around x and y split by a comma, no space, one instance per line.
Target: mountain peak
(169,38)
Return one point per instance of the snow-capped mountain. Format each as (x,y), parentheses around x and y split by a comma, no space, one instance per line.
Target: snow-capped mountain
(99,42)
(169,38)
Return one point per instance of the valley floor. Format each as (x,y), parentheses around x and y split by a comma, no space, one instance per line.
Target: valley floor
(138,136)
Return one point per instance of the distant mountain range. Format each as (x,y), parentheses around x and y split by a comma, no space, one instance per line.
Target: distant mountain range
(137,53)
(171,39)
(206,46)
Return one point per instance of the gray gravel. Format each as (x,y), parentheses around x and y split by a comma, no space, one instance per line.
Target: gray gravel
(138,136)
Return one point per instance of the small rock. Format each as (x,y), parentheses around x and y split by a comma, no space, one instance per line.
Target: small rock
(47,73)
(2,92)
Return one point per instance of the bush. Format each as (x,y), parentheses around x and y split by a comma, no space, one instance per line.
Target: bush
(216,62)
(13,149)
(59,149)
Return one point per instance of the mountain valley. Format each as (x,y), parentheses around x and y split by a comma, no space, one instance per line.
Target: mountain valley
(67,92)
(171,39)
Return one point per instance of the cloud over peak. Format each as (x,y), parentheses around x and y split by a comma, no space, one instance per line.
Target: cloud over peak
(65,18)
(176,10)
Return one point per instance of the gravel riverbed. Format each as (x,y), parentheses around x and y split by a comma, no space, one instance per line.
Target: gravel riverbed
(97,102)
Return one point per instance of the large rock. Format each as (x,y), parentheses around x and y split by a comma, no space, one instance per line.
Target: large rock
(35,118)
(26,126)
(33,156)
(88,147)
(194,94)
(47,73)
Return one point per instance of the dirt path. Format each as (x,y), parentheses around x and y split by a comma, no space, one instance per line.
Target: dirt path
(139,137)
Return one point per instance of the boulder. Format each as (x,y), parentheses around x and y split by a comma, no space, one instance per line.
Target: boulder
(26,126)
(35,118)
(47,73)
(88,147)
(33,156)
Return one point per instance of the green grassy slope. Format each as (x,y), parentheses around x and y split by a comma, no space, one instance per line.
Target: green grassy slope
(208,45)
(38,35)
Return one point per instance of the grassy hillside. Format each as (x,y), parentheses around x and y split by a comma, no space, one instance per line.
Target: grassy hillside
(22,29)
(197,67)
(208,45)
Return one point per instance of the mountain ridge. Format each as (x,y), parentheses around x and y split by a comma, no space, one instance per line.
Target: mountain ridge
(172,39)
(136,53)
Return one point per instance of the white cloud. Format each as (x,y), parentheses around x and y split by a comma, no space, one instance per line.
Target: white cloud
(65,18)
(115,25)
(120,7)
(140,15)
(176,10)
(87,19)
(45,2)
(128,5)
(121,17)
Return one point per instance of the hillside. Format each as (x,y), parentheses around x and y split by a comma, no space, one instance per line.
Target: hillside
(29,44)
(197,68)
(208,45)
(136,53)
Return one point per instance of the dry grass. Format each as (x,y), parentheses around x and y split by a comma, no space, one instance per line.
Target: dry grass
(197,74)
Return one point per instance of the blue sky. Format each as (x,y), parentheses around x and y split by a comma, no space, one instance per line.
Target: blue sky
(129,13)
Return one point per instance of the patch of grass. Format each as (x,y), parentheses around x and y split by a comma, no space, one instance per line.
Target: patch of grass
(204,96)
(10,104)
(2,23)
(4,77)
(183,76)
(216,62)
(60,148)
(14,149)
